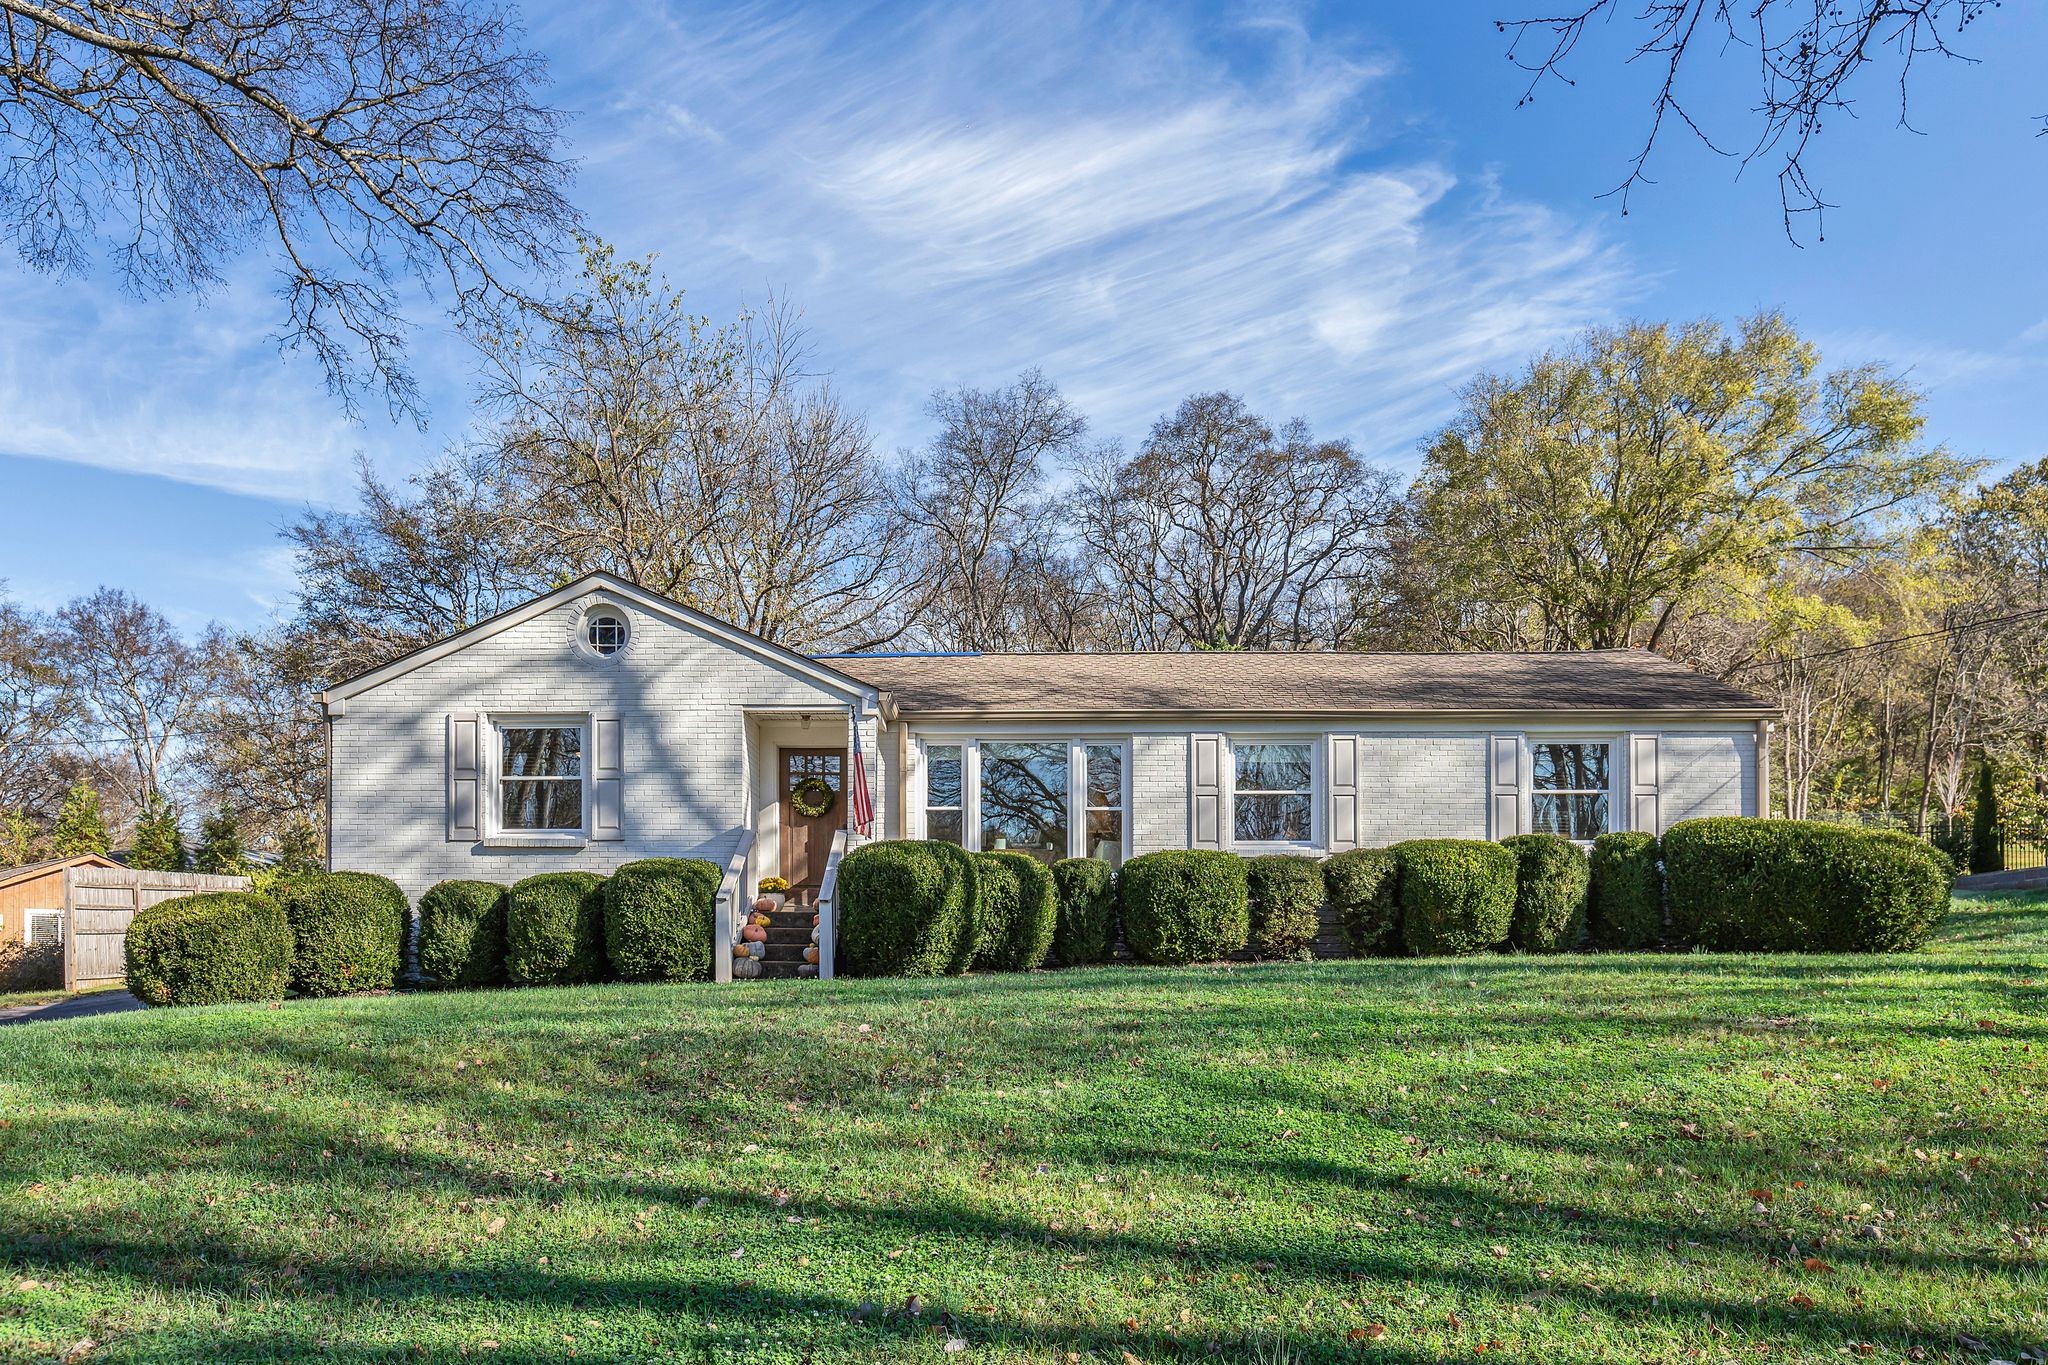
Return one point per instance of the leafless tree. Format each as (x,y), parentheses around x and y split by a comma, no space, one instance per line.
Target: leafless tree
(807,552)
(141,687)
(374,145)
(1224,534)
(978,499)
(258,749)
(1809,56)
(36,707)
(405,568)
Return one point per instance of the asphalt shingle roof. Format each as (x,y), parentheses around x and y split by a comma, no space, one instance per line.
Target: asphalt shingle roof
(1293,683)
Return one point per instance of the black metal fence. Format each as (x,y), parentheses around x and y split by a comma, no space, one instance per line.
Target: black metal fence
(2020,854)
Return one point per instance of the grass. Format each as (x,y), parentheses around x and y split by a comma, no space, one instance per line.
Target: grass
(1630,1158)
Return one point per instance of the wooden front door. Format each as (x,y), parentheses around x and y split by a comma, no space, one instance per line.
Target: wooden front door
(807,839)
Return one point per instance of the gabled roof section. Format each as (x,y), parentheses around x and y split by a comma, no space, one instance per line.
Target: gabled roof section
(651,602)
(9,876)
(1337,683)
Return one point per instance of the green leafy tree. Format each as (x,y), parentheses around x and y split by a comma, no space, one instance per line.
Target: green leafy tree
(20,841)
(80,827)
(298,846)
(159,844)
(1986,855)
(220,846)
(1616,485)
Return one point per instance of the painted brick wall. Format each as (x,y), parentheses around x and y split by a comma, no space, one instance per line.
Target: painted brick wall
(1706,775)
(1421,787)
(680,697)
(1159,792)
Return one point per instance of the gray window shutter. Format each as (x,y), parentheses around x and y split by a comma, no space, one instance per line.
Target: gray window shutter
(1643,805)
(1343,792)
(1205,791)
(465,778)
(607,778)
(1504,768)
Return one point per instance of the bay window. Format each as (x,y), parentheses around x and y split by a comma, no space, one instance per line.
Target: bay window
(1569,789)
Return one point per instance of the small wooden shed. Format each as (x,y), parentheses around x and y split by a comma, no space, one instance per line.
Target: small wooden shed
(32,898)
(85,903)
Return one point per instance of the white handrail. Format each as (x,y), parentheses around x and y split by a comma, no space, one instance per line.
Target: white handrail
(726,918)
(828,894)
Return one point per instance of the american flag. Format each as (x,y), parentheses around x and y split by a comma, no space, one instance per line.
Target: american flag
(863,802)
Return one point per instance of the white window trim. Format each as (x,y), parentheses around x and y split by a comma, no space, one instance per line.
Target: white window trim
(495,833)
(28,919)
(1318,795)
(1617,804)
(970,783)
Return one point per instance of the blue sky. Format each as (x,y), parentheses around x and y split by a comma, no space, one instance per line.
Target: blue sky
(1337,211)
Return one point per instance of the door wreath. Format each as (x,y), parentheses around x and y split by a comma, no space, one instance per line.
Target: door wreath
(812,797)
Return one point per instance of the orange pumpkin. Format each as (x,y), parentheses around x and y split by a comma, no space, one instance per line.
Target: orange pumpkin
(811,953)
(739,950)
(764,904)
(754,933)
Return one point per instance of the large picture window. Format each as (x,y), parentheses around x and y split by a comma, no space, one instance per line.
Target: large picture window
(943,794)
(540,777)
(1273,801)
(1024,798)
(1570,795)
(1102,780)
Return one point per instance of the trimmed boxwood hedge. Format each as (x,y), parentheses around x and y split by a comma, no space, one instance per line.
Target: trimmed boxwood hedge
(462,933)
(1019,910)
(1185,905)
(1625,897)
(1457,895)
(1086,929)
(209,949)
(659,919)
(1286,893)
(1363,888)
(1801,886)
(907,907)
(554,929)
(1551,878)
(348,930)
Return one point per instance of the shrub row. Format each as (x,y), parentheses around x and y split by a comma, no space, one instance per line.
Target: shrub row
(330,933)
(1802,886)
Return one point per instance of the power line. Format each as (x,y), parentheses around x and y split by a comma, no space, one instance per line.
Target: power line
(1904,639)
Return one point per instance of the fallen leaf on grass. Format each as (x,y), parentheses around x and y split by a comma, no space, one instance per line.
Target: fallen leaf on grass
(1818,1266)
(1803,1302)
(496,1226)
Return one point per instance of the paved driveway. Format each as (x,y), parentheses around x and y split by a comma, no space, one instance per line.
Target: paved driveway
(2032,879)
(74,1007)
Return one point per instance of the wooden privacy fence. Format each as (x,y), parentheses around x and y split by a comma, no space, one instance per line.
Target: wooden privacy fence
(99,902)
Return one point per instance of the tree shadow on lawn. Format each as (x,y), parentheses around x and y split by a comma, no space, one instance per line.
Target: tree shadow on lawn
(379,1167)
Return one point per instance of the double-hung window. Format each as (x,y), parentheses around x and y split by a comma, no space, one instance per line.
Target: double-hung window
(540,778)
(1273,795)
(1569,793)
(945,793)
(1102,799)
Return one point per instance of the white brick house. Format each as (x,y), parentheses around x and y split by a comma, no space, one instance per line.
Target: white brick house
(601,723)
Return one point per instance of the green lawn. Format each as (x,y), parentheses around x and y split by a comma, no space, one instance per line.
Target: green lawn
(1629,1158)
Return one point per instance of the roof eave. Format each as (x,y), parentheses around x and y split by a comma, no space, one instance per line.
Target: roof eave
(1573,713)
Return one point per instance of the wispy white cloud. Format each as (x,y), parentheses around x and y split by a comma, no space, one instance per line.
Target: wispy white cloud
(191,391)
(960,193)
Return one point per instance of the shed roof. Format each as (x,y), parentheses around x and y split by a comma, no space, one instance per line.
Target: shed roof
(1288,684)
(11,875)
